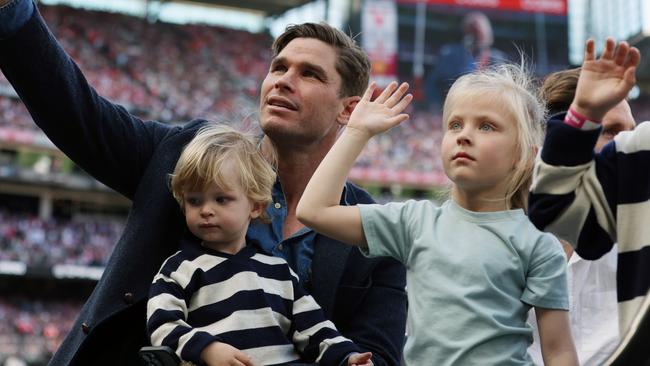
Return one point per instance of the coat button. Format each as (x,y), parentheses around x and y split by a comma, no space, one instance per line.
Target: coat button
(128,298)
(85,328)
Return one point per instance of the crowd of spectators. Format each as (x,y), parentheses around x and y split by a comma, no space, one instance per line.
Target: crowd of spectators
(46,242)
(32,330)
(173,73)
(414,145)
(163,71)
(13,114)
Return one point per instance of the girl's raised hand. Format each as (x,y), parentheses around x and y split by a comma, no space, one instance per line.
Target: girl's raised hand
(372,117)
(604,82)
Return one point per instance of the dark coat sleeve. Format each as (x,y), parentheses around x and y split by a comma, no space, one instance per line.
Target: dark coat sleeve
(101,137)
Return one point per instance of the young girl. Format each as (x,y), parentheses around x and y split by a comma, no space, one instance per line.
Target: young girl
(219,301)
(476,264)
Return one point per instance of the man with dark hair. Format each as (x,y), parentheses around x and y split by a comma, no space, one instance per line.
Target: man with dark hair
(312,86)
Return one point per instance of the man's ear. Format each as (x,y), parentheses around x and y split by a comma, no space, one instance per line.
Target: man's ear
(348,106)
(257,210)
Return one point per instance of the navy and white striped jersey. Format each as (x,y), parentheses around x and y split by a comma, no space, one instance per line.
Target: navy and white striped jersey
(248,300)
(594,200)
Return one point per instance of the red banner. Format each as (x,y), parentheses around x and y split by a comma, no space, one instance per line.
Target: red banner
(553,7)
(379,39)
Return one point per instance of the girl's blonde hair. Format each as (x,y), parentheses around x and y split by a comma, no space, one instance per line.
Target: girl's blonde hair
(512,86)
(203,160)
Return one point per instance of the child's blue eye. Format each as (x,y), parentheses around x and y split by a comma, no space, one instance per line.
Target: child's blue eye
(454,125)
(192,201)
(486,127)
(222,199)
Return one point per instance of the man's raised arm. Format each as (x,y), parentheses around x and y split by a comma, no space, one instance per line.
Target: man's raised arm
(101,137)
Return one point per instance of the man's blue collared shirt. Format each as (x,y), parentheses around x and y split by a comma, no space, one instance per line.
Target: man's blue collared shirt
(298,249)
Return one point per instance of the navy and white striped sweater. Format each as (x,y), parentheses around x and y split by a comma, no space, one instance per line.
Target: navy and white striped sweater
(248,300)
(594,200)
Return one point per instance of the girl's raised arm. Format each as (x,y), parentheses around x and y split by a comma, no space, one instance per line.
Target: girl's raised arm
(319,206)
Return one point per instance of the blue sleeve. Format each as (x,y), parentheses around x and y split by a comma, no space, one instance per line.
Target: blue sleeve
(546,283)
(388,228)
(14,15)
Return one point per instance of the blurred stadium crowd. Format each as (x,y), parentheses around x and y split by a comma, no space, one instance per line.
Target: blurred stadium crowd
(33,329)
(46,242)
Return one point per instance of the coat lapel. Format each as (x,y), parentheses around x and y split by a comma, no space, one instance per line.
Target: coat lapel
(328,264)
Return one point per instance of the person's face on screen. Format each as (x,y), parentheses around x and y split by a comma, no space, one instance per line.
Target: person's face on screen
(299,101)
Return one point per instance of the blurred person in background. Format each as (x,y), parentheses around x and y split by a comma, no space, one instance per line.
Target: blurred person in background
(474,52)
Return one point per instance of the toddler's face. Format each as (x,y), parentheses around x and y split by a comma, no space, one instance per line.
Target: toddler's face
(219,216)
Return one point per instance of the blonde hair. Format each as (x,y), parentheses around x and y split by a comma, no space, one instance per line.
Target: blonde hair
(202,161)
(512,86)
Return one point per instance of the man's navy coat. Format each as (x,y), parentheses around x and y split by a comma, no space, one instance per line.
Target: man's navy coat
(364,297)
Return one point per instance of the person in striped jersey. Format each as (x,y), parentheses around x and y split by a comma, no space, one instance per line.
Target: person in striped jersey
(593,309)
(219,300)
(593,200)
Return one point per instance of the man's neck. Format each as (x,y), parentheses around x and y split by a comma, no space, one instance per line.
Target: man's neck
(295,168)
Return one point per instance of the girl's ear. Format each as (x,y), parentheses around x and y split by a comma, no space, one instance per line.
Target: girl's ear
(257,210)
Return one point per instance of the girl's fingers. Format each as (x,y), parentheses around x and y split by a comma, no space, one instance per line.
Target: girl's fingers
(397,95)
(620,53)
(608,52)
(399,107)
(629,77)
(590,53)
(394,121)
(369,91)
(387,92)
(633,58)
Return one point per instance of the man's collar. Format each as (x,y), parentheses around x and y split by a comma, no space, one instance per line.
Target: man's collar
(345,198)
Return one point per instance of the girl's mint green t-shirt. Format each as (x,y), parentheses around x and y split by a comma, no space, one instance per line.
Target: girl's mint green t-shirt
(471,279)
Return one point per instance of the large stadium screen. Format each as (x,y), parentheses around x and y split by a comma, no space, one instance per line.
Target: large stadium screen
(439,40)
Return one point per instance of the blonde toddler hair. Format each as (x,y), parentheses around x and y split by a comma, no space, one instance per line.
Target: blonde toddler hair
(202,160)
